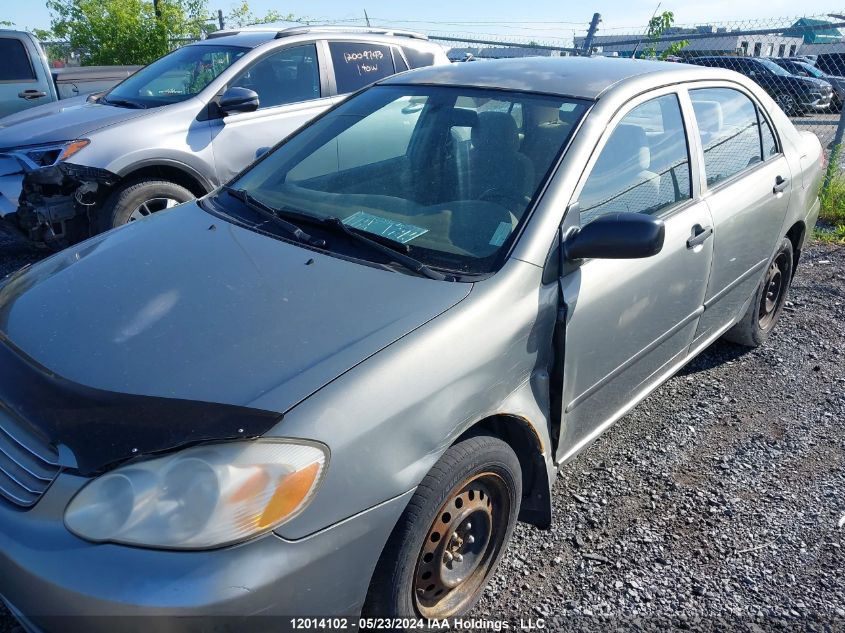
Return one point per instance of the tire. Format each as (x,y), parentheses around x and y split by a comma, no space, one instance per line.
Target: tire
(767,304)
(788,104)
(423,575)
(139,198)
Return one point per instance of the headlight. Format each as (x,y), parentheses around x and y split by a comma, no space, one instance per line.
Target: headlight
(201,497)
(46,155)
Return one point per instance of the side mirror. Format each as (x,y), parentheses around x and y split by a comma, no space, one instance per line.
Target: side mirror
(616,236)
(237,99)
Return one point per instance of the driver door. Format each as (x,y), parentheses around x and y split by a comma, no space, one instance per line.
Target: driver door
(291,91)
(629,322)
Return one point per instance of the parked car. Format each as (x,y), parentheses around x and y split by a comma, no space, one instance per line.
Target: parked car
(831,63)
(26,79)
(794,95)
(184,124)
(335,383)
(806,69)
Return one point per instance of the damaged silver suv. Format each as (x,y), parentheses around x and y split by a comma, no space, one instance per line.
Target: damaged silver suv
(184,124)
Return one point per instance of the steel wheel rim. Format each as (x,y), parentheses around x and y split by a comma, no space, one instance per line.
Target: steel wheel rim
(153,205)
(461,546)
(774,286)
(786,102)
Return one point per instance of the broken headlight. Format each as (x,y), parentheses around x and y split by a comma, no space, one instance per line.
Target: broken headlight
(201,497)
(46,155)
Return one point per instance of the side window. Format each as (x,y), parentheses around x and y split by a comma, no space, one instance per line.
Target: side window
(286,76)
(644,167)
(357,65)
(729,131)
(16,65)
(770,146)
(398,61)
(417,58)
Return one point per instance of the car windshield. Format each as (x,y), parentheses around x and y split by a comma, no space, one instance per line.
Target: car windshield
(811,70)
(175,77)
(446,173)
(774,68)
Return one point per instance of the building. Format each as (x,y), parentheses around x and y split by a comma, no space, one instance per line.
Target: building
(814,31)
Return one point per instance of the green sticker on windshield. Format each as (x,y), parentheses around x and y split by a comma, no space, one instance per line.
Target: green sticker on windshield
(396,231)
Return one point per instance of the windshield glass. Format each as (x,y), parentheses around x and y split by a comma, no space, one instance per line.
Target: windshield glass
(177,76)
(811,70)
(447,172)
(774,68)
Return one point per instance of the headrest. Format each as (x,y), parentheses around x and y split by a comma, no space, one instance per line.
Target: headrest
(709,115)
(463,117)
(495,131)
(627,141)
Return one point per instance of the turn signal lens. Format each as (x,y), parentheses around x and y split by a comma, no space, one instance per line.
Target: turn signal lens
(73,147)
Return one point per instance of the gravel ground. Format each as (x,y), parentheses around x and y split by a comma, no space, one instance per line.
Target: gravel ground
(717,504)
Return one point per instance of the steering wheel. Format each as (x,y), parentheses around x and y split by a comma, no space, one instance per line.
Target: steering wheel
(504,197)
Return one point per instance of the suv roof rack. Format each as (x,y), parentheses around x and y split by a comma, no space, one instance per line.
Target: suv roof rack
(302,30)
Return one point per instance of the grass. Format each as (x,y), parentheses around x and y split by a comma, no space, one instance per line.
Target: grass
(831,226)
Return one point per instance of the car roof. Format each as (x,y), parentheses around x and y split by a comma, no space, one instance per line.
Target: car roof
(250,37)
(583,77)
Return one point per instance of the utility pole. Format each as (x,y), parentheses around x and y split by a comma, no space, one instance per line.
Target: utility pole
(591,33)
(220,19)
(157,9)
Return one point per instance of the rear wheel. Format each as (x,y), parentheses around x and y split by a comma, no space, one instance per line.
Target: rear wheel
(767,305)
(451,536)
(139,199)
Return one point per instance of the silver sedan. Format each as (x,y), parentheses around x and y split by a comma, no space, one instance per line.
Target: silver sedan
(332,386)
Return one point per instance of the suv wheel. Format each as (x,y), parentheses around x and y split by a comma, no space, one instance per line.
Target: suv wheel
(767,304)
(140,198)
(451,536)
(787,103)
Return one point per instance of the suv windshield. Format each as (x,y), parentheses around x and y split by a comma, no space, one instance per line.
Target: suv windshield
(175,77)
(773,67)
(445,173)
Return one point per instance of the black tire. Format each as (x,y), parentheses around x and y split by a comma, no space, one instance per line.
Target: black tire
(129,198)
(412,551)
(767,304)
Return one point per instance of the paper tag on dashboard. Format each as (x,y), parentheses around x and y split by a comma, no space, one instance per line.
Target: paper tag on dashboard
(501,234)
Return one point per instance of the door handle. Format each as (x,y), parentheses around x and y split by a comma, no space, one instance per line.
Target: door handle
(780,184)
(32,94)
(699,235)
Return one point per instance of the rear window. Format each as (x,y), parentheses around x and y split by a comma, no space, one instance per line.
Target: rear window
(16,65)
(359,64)
(418,59)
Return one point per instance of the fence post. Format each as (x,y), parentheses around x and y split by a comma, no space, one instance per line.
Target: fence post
(591,33)
(220,18)
(835,154)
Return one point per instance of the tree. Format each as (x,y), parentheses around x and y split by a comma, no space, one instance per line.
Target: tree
(132,31)
(657,26)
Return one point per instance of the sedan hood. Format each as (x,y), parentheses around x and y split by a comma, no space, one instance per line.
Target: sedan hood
(63,120)
(185,305)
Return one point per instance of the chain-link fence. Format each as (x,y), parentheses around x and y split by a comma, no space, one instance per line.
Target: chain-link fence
(800,62)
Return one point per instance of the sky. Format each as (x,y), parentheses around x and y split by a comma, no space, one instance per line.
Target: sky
(501,18)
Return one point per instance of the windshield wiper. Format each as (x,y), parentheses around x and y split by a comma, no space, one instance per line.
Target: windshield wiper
(273,215)
(394,251)
(123,102)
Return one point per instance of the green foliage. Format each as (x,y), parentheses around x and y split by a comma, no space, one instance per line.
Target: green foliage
(5,24)
(657,26)
(138,31)
(832,199)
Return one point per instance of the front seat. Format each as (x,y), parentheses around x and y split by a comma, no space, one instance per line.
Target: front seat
(494,159)
(621,180)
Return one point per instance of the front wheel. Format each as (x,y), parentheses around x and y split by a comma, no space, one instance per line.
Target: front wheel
(788,104)
(451,536)
(767,305)
(140,198)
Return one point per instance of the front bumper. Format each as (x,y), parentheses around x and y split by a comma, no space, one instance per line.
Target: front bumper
(52,580)
(817,102)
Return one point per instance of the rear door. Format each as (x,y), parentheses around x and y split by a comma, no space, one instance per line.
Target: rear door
(630,321)
(747,184)
(24,82)
(292,90)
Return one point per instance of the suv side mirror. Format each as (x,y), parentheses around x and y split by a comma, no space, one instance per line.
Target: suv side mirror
(237,99)
(616,236)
